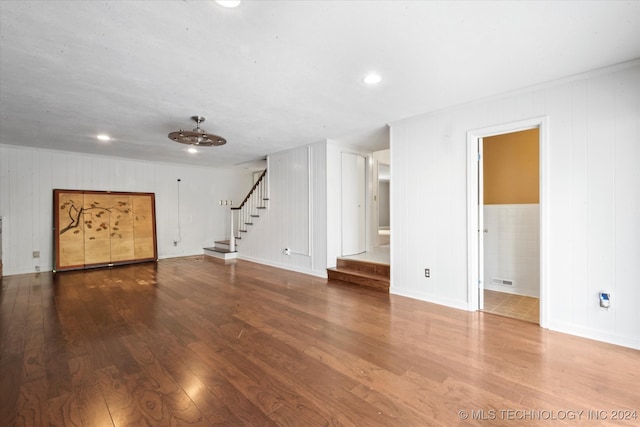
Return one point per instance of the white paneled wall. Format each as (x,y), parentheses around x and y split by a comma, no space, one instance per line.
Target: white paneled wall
(512,248)
(186,211)
(593,199)
(296,217)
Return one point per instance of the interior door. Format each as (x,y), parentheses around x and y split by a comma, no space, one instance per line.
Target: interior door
(353,204)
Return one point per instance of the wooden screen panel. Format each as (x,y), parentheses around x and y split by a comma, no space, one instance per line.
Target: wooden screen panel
(95,228)
(143,227)
(121,232)
(95,223)
(69,229)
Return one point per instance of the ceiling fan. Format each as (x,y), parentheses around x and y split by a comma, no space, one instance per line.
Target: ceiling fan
(198,136)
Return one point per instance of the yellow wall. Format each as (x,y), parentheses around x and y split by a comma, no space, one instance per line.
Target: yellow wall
(511,168)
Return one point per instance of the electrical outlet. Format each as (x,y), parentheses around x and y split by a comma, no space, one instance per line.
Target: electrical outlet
(175,243)
(427,272)
(36,254)
(605,299)
(287,251)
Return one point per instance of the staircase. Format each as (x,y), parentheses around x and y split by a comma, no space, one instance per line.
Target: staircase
(222,250)
(368,274)
(242,218)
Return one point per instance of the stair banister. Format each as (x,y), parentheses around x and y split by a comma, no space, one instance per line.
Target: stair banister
(252,190)
(246,207)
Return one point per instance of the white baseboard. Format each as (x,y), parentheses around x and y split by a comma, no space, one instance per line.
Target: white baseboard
(322,274)
(460,305)
(610,338)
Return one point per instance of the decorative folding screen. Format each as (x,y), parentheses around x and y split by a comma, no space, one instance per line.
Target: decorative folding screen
(102,228)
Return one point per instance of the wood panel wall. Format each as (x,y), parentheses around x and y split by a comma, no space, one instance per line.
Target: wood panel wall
(187,212)
(593,199)
(296,217)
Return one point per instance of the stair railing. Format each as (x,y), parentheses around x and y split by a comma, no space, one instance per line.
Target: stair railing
(248,210)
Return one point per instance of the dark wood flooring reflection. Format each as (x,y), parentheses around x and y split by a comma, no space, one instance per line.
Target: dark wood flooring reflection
(193,342)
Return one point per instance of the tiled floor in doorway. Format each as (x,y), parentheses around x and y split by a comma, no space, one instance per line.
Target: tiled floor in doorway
(511,305)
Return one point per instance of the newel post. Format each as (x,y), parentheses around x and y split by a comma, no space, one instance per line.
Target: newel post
(232,239)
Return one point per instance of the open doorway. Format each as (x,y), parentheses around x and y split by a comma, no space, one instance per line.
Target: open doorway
(512,279)
(511,224)
(384,206)
(382,197)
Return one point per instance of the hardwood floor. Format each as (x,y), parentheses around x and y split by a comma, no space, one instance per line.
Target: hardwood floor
(194,342)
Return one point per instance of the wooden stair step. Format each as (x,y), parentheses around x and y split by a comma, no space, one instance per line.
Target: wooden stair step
(220,250)
(220,254)
(224,244)
(376,268)
(358,277)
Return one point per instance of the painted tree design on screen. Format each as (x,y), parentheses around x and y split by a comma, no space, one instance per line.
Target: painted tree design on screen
(93,217)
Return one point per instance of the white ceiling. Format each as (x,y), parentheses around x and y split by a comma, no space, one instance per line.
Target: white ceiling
(269,76)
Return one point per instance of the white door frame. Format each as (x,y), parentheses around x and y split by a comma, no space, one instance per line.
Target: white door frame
(480,234)
(474,219)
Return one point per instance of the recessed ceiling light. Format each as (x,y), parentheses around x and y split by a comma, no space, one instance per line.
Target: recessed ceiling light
(103,137)
(372,79)
(192,150)
(228,3)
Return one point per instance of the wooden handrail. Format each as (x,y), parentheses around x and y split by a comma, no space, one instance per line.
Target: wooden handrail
(250,192)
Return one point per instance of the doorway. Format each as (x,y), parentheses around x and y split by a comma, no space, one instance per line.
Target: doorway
(506,233)
(382,198)
(384,205)
(511,217)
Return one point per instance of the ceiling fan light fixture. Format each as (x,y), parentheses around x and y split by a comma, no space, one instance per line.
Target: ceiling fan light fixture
(197,137)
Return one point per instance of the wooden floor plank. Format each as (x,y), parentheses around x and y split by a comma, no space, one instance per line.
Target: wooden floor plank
(32,406)
(186,341)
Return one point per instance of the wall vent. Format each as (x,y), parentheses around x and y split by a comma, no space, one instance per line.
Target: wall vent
(502,282)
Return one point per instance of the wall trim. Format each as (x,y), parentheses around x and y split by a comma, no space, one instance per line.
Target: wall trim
(451,303)
(125,159)
(284,266)
(596,335)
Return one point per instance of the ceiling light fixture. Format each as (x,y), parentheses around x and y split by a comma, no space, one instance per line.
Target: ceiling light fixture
(228,3)
(103,137)
(372,79)
(198,136)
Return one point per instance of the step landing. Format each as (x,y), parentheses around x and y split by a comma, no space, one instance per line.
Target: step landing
(367,274)
(220,253)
